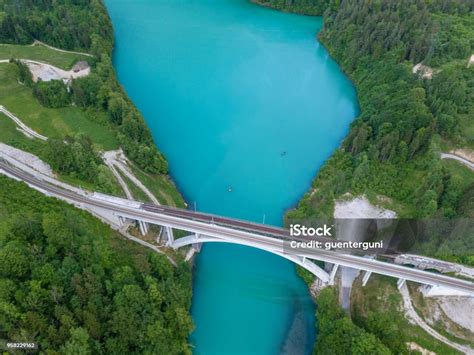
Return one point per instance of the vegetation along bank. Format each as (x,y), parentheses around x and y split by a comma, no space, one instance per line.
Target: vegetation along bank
(409,115)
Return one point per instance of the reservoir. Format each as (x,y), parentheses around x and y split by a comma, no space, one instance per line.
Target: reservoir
(246,105)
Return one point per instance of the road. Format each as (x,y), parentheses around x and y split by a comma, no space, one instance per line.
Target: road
(239,232)
(36,42)
(459,159)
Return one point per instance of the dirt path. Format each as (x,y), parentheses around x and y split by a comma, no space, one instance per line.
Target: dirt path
(411,314)
(115,159)
(147,245)
(23,128)
(121,182)
(36,43)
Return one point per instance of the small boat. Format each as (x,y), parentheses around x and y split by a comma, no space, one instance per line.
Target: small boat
(229,188)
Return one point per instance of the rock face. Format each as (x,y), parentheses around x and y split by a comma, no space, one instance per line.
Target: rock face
(424,71)
(471,61)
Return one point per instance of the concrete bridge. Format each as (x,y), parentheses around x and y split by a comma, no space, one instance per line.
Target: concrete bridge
(205,228)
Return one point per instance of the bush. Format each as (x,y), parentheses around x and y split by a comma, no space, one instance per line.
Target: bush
(52,94)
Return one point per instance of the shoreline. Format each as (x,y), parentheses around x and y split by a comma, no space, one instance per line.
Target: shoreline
(286,9)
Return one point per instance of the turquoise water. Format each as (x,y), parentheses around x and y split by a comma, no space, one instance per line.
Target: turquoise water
(226,87)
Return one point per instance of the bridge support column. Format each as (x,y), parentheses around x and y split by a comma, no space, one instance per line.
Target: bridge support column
(158,237)
(169,236)
(400,283)
(143,227)
(333,274)
(121,221)
(366,277)
(195,248)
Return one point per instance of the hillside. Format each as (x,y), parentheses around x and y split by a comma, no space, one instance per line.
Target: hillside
(74,286)
(93,108)
(406,120)
(68,282)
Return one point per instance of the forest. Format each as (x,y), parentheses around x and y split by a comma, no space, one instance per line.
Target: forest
(82,25)
(406,120)
(306,7)
(71,284)
(338,335)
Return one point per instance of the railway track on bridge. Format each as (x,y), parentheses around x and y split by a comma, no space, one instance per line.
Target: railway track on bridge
(234,231)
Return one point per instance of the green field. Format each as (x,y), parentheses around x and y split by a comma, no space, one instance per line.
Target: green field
(137,193)
(161,186)
(11,136)
(42,54)
(58,123)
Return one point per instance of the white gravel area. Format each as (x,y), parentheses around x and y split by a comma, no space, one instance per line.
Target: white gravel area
(414,346)
(27,158)
(360,207)
(47,72)
(459,309)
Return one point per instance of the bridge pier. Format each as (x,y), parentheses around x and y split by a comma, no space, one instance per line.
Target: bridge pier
(366,277)
(121,221)
(400,283)
(143,227)
(158,237)
(333,274)
(195,248)
(169,236)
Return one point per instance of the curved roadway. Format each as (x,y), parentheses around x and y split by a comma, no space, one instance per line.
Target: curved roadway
(462,160)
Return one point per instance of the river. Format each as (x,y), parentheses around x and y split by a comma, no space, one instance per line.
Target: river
(246,105)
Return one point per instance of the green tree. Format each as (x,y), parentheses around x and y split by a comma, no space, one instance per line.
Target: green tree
(78,344)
